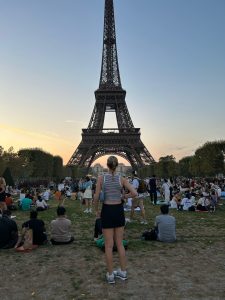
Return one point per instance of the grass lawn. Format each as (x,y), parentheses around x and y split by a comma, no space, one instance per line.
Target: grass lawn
(191,268)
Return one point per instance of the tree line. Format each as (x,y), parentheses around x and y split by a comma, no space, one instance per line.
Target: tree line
(34,163)
(208,161)
(29,164)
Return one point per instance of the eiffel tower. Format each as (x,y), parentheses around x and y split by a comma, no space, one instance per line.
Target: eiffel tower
(125,140)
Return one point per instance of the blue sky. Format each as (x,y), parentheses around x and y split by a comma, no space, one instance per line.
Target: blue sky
(172,65)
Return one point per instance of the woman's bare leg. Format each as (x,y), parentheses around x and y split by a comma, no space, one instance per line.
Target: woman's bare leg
(119,232)
(141,205)
(86,204)
(108,236)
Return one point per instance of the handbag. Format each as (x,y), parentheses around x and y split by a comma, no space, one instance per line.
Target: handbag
(25,242)
(102,193)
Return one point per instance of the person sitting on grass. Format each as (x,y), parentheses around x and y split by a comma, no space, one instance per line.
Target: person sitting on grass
(165,225)
(38,228)
(9,202)
(61,228)
(8,231)
(174,201)
(186,202)
(203,203)
(46,195)
(41,204)
(25,203)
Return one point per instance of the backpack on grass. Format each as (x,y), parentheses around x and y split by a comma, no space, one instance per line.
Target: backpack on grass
(142,188)
(100,243)
(149,235)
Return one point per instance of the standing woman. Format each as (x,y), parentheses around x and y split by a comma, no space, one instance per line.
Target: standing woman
(166,191)
(88,194)
(2,194)
(112,216)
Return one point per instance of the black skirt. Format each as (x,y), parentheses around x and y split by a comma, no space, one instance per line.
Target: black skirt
(112,216)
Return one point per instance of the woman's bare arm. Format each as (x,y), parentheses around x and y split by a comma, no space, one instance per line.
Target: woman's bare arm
(97,192)
(132,192)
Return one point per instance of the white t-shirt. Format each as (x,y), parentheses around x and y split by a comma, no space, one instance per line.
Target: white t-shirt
(186,203)
(61,187)
(173,204)
(22,195)
(68,193)
(166,190)
(166,187)
(41,204)
(218,190)
(46,195)
(204,201)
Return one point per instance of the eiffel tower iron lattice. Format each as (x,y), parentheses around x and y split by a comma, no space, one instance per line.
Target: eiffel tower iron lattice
(125,140)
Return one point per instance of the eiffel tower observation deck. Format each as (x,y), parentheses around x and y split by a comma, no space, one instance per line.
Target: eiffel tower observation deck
(124,140)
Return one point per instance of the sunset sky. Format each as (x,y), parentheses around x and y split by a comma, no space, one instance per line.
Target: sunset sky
(172,65)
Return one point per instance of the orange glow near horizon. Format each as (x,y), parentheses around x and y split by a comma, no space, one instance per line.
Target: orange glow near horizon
(56,144)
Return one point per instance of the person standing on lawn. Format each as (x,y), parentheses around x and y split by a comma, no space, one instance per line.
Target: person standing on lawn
(112,216)
(88,194)
(153,189)
(139,200)
(2,193)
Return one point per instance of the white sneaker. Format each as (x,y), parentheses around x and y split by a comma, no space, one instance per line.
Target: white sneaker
(144,222)
(90,210)
(110,278)
(86,210)
(127,220)
(120,274)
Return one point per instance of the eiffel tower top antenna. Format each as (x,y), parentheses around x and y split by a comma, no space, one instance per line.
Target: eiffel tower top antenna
(110,75)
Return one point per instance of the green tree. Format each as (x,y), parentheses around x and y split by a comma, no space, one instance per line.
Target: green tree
(2,162)
(8,177)
(57,168)
(147,171)
(209,159)
(184,166)
(13,162)
(37,162)
(166,167)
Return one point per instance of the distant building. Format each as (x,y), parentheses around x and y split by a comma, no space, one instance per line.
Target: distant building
(121,169)
(98,169)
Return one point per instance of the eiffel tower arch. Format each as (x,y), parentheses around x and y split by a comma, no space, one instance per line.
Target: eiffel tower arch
(124,140)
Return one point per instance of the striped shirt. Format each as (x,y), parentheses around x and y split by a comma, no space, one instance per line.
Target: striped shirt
(112,187)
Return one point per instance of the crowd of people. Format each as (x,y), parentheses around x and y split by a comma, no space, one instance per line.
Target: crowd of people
(120,194)
(193,195)
(33,231)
